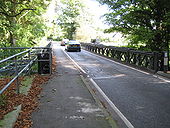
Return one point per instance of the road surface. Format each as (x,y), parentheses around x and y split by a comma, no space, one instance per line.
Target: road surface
(143,98)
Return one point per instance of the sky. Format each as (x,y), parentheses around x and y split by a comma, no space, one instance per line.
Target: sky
(97,10)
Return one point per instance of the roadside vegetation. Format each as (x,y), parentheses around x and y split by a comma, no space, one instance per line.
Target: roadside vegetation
(145,23)
(21,22)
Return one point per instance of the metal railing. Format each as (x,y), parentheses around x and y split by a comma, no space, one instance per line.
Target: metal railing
(152,61)
(20,63)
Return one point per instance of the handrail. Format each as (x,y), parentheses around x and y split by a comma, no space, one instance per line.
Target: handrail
(19,68)
(24,48)
(4,88)
(6,59)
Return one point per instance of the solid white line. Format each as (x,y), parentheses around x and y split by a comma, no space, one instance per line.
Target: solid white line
(75,62)
(161,78)
(128,124)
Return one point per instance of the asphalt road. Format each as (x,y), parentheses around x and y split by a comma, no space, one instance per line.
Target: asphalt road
(144,99)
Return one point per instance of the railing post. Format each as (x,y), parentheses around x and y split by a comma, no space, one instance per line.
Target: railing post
(29,67)
(16,73)
(128,56)
(107,52)
(102,51)
(155,61)
(134,59)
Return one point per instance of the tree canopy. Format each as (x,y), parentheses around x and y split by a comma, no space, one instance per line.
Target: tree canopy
(68,17)
(21,21)
(145,21)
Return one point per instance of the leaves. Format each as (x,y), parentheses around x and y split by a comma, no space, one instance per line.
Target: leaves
(29,102)
(146,21)
(19,19)
(68,19)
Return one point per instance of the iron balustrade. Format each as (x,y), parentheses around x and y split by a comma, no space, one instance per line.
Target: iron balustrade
(152,61)
(22,62)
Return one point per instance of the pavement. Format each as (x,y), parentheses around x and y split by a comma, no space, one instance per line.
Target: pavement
(67,103)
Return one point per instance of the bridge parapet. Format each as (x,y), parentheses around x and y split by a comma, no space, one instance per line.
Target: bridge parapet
(152,61)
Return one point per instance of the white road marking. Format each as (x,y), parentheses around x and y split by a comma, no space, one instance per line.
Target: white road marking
(124,119)
(156,76)
(167,81)
(75,63)
(109,77)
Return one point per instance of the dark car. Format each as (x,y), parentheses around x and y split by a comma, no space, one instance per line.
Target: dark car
(73,46)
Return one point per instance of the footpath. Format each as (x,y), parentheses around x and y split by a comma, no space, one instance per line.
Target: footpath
(66,102)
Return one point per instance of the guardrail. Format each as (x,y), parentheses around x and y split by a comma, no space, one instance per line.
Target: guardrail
(152,61)
(22,62)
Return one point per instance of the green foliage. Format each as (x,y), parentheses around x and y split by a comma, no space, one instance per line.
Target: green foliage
(146,21)
(68,19)
(21,22)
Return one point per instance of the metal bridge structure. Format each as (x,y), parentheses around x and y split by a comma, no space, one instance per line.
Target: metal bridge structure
(151,61)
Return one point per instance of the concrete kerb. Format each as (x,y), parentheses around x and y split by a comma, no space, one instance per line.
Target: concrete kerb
(101,104)
(160,73)
(119,121)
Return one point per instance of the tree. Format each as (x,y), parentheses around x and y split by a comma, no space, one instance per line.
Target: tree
(20,20)
(146,21)
(68,19)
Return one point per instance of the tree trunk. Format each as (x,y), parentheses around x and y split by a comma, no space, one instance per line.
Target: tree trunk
(12,40)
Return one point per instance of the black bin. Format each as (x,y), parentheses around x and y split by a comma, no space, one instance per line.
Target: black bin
(43,66)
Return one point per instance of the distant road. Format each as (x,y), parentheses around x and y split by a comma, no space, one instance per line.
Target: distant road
(144,99)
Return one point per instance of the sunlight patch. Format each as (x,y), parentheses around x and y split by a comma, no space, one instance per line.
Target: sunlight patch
(88,108)
(76,98)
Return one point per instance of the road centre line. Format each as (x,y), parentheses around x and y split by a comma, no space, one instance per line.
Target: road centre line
(124,119)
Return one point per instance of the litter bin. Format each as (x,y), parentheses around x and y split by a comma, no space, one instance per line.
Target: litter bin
(43,66)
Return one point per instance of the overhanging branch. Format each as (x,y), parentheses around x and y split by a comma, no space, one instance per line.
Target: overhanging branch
(15,15)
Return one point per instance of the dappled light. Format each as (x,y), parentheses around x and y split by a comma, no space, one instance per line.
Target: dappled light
(85,63)
(118,75)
